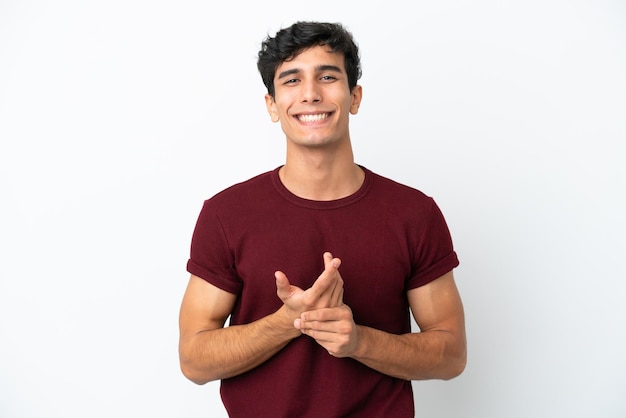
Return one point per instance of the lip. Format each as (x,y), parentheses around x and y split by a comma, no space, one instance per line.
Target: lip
(312,117)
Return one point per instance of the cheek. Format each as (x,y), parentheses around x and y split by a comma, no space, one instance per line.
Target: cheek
(282,107)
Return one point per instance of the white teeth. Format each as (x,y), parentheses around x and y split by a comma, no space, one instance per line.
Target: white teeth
(313,118)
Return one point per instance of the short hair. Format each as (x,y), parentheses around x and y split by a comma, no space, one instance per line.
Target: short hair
(291,41)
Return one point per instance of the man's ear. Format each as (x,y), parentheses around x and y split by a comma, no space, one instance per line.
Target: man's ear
(357,95)
(271,107)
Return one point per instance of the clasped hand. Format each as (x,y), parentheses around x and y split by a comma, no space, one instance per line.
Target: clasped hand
(319,311)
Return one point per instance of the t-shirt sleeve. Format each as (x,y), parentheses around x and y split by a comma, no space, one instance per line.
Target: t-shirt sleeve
(434,254)
(211,257)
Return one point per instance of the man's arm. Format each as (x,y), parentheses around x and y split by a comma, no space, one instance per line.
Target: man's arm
(437,352)
(208,351)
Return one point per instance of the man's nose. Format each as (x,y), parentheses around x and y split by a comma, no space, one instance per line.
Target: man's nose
(311,93)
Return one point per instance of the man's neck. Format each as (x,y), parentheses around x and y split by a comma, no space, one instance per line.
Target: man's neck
(321,176)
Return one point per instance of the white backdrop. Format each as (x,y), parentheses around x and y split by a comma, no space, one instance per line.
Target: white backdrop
(118,118)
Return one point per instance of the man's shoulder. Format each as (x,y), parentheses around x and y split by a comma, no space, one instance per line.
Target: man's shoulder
(253,185)
(388,185)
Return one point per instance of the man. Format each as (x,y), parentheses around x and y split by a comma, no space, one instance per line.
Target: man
(320,262)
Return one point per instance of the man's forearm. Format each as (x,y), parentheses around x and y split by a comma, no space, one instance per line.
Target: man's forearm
(227,352)
(417,356)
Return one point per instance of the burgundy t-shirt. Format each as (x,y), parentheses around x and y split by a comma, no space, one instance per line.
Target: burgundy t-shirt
(390,238)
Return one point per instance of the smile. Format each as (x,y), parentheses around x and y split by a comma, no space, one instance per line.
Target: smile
(312,118)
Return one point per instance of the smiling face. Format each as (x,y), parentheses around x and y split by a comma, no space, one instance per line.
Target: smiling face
(312,99)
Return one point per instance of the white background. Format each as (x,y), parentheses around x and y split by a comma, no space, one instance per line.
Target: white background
(118,118)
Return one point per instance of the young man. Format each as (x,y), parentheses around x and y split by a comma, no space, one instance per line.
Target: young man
(320,262)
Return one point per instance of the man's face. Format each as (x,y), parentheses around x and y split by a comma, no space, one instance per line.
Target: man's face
(312,99)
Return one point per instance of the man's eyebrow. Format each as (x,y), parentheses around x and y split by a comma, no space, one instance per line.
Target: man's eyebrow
(288,72)
(328,68)
(325,67)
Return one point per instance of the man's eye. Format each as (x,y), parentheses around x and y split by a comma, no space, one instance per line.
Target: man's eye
(291,81)
(328,78)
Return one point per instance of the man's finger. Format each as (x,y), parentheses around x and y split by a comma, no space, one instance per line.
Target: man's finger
(283,287)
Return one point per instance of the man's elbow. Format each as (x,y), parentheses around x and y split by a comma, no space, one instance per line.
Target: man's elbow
(456,366)
(191,369)
(193,374)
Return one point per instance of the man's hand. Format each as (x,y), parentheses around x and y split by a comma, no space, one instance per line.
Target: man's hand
(326,292)
(332,328)
(329,322)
